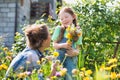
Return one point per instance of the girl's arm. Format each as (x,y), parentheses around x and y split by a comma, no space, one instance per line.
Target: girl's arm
(61,45)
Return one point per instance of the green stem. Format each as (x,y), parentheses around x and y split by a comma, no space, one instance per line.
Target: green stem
(63,60)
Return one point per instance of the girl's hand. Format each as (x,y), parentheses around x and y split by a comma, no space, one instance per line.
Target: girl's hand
(61,45)
(72,52)
(53,69)
(65,45)
(49,58)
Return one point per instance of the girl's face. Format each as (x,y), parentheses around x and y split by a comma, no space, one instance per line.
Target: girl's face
(66,19)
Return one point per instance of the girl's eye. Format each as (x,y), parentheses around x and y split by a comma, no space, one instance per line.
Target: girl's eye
(61,19)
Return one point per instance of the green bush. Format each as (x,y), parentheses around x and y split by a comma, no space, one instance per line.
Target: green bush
(101,30)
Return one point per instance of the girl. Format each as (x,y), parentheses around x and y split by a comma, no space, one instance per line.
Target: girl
(67,18)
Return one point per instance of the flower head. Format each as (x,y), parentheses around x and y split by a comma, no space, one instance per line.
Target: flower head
(40,71)
(73,33)
(63,71)
(58,74)
(22,75)
(21,68)
(5,49)
(88,72)
(53,78)
(113,75)
(27,62)
(55,54)
(112,61)
(69,42)
(75,71)
(38,62)
(83,69)
(69,36)
(43,60)
(68,28)
(86,78)
(4,66)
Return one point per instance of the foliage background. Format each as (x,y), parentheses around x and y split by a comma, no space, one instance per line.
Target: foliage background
(100,23)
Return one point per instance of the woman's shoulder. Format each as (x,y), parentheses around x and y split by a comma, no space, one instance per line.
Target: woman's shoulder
(29,52)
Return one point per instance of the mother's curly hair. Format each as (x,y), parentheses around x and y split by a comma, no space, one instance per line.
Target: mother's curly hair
(35,35)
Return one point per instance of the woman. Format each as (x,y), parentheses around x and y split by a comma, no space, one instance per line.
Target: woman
(37,38)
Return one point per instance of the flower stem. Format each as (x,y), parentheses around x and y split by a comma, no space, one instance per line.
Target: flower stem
(63,60)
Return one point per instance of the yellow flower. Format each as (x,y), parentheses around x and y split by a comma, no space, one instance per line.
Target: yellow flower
(113,75)
(27,62)
(83,69)
(79,34)
(69,36)
(88,72)
(106,76)
(9,53)
(4,66)
(38,62)
(108,68)
(102,68)
(55,54)
(61,66)
(75,71)
(69,42)
(86,78)
(5,49)
(57,61)
(73,29)
(81,74)
(112,61)
(114,65)
(43,59)
(21,68)
(22,75)
(34,71)
(17,33)
(63,71)
(53,78)
(0,67)
(73,33)
(118,75)
(68,28)
(40,71)
(9,58)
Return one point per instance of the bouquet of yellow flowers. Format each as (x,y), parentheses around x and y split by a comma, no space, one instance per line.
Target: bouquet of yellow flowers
(73,34)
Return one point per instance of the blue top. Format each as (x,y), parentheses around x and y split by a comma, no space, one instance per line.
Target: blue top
(27,55)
